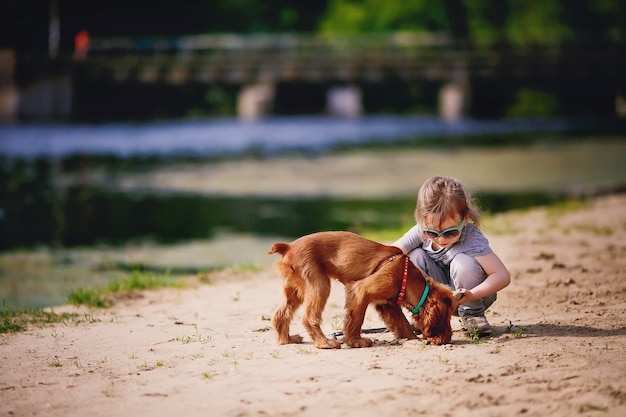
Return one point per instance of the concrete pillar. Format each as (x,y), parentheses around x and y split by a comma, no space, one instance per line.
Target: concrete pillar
(50,98)
(255,101)
(620,106)
(344,102)
(9,95)
(454,100)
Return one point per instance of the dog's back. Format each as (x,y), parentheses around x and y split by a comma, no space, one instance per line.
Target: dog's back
(336,253)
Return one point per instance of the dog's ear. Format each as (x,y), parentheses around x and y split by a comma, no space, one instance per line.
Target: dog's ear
(450,301)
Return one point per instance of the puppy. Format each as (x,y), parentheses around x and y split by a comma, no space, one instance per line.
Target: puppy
(372,273)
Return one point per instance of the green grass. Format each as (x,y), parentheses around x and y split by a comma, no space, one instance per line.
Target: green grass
(137,281)
(13,321)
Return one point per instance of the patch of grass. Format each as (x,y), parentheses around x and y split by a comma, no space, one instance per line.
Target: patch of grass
(559,208)
(13,321)
(596,230)
(386,235)
(500,226)
(137,281)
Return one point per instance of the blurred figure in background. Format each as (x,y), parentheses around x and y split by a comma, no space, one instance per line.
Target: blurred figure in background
(81,45)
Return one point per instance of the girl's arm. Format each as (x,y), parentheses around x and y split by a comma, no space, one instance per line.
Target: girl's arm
(497,278)
(409,241)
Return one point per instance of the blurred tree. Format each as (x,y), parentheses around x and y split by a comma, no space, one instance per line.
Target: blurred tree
(358,16)
(536,21)
(596,20)
(520,22)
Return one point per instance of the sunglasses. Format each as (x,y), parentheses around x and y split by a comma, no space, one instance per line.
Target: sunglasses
(449,233)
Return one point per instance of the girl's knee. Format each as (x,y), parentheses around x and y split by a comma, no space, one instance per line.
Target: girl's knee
(420,259)
(466,272)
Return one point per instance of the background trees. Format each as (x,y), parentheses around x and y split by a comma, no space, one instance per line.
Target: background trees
(24,23)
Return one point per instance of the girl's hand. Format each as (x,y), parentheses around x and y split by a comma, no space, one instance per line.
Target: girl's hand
(463,295)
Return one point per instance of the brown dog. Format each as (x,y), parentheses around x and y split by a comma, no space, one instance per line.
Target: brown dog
(372,273)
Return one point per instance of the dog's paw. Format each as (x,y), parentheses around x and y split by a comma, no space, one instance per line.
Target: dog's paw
(360,342)
(295,338)
(328,344)
(438,340)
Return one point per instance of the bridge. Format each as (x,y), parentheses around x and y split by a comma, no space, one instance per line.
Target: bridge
(257,63)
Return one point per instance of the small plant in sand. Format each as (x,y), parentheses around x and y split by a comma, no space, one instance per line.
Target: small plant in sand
(475,335)
(196,337)
(207,375)
(303,351)
(336,324)
(496,349)
(55,363)
(516,331)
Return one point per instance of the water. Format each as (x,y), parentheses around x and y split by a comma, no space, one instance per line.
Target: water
(228,137)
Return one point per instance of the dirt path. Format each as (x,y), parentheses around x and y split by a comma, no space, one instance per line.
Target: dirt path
(557,350)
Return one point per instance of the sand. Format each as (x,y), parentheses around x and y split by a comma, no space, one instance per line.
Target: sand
(558,347)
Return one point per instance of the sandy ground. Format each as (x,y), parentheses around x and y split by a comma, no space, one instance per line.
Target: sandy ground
(558,348)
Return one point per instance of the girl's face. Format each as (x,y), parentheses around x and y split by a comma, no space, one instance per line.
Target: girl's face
(443,232)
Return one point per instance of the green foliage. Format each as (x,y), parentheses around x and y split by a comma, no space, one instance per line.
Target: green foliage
(519,22)
(534,103)
(535,22)
(349,16)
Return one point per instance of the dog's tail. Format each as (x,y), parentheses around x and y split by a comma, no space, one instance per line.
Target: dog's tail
(279,248)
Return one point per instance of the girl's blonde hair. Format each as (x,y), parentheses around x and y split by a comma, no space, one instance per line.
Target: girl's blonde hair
(444,197)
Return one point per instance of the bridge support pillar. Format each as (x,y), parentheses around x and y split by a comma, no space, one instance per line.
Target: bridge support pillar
(255,101)
(9,96)
(344,102)
(454,100)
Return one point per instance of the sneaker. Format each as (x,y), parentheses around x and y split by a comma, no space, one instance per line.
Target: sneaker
(476,324)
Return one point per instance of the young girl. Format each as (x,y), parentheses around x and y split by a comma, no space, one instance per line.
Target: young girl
(447,244)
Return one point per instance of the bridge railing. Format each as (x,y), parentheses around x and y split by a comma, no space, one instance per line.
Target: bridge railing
(244,58)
